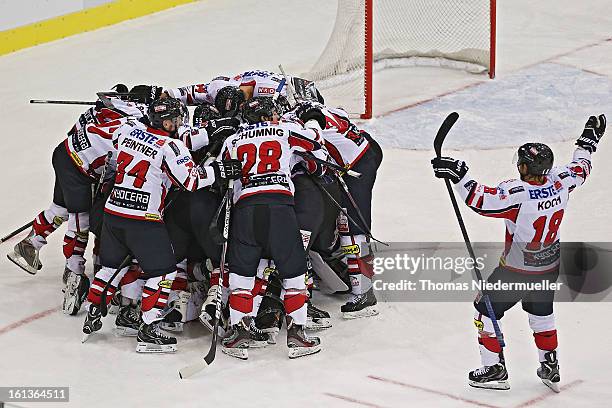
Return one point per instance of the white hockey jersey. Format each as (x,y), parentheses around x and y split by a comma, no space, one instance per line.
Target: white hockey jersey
(88,146)
(148,163)
(532,213)
(264,83)
(266,151)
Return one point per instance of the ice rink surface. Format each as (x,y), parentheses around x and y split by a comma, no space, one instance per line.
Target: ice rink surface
(554,69)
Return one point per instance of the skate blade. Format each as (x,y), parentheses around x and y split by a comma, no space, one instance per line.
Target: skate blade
(492,385)
(365,312)
(272,334)
(155,348)
(125,332)
(318,324)
(206,321)
(296,352)
(85,337)
(553,386)
(16,259)
(239,353)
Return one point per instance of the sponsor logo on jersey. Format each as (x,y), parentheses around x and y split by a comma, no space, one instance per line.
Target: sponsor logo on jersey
(152,217)
(266,180)
(564,175)
(80,141)
(76,159)
(517,189)
(261,74)
(161,142)
(224,78)
(130,199)
(544,192)
(183,160)
(534,257)
(263,90)
(143,136)
(166,284)
(545,205)
(174,148)
(139,147)
(351,249)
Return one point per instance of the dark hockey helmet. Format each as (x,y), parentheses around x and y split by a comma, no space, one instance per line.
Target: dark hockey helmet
(145,93)
(283,105)
(163,109)
(537,157)
(205,112)
(228,100)
(256,108)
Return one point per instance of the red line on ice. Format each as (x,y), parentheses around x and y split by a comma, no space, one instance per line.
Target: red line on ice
(28,320)
(548,394)
(353,400)
(441,393)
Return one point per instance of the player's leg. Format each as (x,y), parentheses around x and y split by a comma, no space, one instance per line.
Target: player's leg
(128,320)
(287,250)
(493,374)
(244,254)
(150,244)
(113,250)
(354,242)
(539,308)
(26,253)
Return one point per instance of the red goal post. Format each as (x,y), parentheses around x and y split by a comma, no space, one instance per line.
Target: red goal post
(372,35)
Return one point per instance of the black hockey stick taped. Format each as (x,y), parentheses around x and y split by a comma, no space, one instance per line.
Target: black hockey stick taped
(201,364)
(54,102)
(103,307)
(438,142)
(17,231)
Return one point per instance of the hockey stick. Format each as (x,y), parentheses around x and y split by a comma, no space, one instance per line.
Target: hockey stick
(438,141)
(331,165)
(17,231)
(103,307)
(103,174)
(62,102)
(190,370)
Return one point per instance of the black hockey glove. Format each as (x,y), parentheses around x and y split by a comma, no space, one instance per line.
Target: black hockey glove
(145,93)
(220,129)
(449,168)
(230,169)
(592,133)
(307,111)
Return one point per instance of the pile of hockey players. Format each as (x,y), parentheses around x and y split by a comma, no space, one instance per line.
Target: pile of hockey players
(151,187)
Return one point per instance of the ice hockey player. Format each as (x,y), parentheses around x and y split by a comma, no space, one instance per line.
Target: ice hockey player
(264,223)
(355,149)
(78,162)
(532,208)
(149,160)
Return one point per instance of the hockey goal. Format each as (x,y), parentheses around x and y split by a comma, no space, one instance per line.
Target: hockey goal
(372,35)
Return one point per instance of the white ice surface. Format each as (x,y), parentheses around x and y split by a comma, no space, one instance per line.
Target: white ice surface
(417,344)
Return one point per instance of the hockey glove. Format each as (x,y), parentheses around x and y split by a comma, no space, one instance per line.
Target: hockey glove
(230,169)
(307,111)
(220,129)
(592,133)
(449,168)
(145,93)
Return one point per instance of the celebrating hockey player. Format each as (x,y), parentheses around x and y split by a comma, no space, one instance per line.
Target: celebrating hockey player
(78,162)
(149,160)
(264,223)
(532,208)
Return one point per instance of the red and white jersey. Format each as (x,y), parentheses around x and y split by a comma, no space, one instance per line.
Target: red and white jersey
(149,161)
(88,146)
(345,142)
(264,83)
(532,213)
(100,115)
(266,151)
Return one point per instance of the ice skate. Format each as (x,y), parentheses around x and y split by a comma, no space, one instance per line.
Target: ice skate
(128,321)
(92,323)
(363,305)
(493,377)
(269,318)
(549,371)
(317,319)
(75,293)
(26,256)
(298,342)
(259,338)
(152,340)
(237,340)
